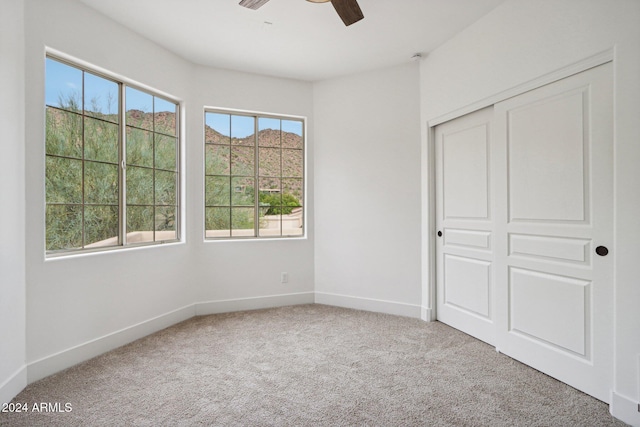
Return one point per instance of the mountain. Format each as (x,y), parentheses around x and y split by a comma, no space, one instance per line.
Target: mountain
(280,152)
(269,142)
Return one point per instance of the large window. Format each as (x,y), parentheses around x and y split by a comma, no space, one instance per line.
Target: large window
(112,175)
(254,176)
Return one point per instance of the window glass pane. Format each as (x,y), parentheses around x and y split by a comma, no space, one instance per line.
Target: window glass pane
(242,160)
(165,116)
(270,192)
(217,191)
(292,225)
(139,186)
(166,188)
(140,224)
(270,207)
(294,187)
(242,130)
(217,128)
(100,97)
(270,224)
(63,86)
(217,159)
(139,108)
(292,134)
(139,147)
(242,222)
(292,212)
(218,222)
(64,133)
(63,180)
(270,161)
(166,152)
(165,222)
(101,140)
(292,163)
(100,226)
(269,132)
(242,191)
(100,183)
(64,227)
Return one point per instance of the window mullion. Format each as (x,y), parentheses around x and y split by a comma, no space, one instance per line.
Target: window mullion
(231,171)
(122,158)
(280,178)
(82,112)
(153,170)
(256,180)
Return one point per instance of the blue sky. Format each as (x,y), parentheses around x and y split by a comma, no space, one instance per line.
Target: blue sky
(64,81)
(242,126)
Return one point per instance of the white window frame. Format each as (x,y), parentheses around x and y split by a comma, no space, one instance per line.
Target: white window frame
(256,177)
(122,241)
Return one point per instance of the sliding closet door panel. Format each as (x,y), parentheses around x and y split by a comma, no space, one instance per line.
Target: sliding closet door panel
(554,293)
(464,204)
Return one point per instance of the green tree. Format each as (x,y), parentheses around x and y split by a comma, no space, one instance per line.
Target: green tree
(279,204)
(82,177)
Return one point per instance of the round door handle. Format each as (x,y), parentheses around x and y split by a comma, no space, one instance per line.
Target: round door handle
(439,233)
(602,250)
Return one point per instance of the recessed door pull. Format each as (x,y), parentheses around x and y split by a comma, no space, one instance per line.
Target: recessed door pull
(602,250)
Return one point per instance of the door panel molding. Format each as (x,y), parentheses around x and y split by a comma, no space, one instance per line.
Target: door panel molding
(563,249)
(550,320)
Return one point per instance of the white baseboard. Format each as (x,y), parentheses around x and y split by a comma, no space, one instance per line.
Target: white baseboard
(625,409)
(369,304)
(253,303)
(49,365)
(57,362)
(426,314)
(13,385)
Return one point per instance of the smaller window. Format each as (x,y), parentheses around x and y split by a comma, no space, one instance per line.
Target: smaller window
(254,176)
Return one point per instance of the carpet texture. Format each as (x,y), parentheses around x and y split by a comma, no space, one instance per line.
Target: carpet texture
(308,365)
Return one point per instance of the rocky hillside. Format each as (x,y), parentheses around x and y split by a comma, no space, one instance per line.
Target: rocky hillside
(280,153)
(165,122)
(269,141)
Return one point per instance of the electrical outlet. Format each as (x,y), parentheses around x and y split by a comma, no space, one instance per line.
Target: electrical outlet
(284,277)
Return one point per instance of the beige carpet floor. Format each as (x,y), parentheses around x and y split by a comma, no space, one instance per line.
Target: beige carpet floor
(309,365)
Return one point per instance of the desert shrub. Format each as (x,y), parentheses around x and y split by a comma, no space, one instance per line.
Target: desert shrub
(279,204)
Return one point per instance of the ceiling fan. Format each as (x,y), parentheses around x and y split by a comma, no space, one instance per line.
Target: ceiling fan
(348,10)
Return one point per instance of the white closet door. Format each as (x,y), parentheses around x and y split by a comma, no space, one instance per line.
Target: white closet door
(464,223)
(554,191)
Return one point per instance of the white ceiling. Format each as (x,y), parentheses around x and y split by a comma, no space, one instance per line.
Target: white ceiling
(294,38)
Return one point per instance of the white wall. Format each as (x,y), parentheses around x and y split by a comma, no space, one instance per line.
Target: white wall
(80,306)
(73,301)
(367,181)
(249,269)
(522,40)
(12,223)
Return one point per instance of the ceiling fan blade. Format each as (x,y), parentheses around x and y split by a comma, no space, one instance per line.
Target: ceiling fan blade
(349,11)
(253,4)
